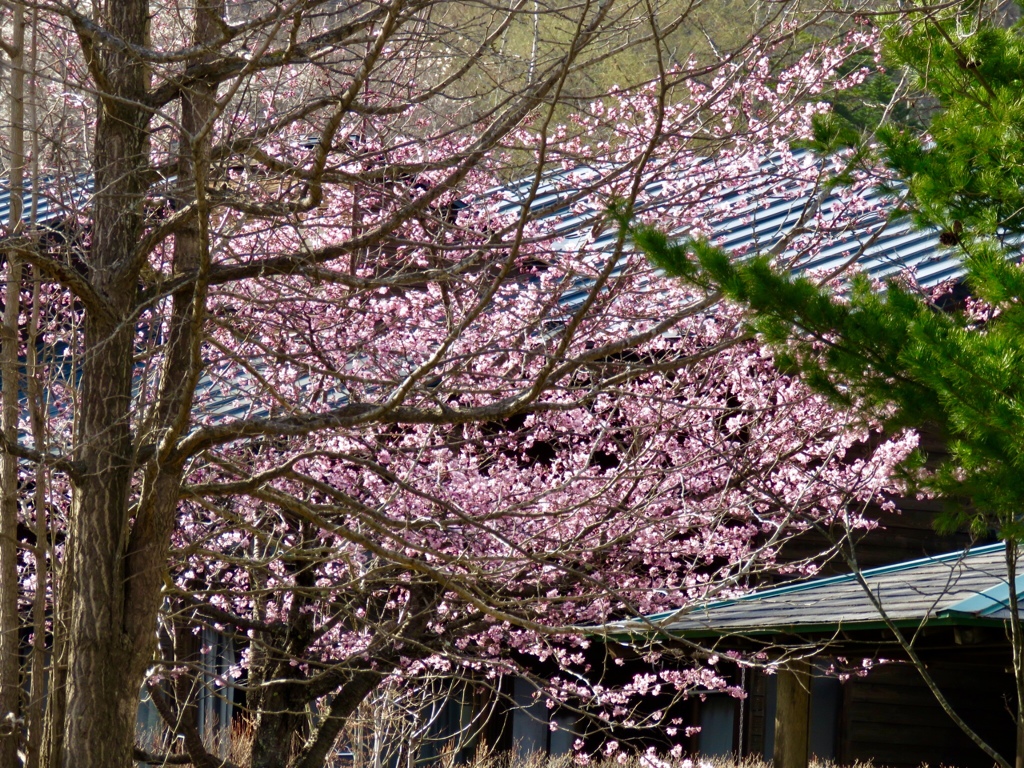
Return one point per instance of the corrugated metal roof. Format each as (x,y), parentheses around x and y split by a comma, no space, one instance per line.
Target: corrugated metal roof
(753,216)
(956,588)
(57,199)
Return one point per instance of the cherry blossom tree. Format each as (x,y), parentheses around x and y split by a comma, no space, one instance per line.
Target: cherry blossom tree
(905,355)
(313,366)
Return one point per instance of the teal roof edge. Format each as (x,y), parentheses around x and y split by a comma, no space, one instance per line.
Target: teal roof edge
(986,603)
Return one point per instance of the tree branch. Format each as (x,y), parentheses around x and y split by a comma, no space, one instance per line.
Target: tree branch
(73,469)
(62,273)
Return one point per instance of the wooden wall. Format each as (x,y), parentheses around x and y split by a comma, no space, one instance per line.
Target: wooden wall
(893,719)
(906,534)
(890,717)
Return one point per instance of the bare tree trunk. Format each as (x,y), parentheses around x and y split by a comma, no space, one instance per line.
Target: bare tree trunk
(792,715)
(10,668)
(102,656)
(52,753)
(180,367)
(10,672)
(57,699)
(112,613)
(118,568)
(36,405)
(36,396)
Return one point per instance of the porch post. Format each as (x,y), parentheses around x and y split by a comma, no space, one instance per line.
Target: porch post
(792,715)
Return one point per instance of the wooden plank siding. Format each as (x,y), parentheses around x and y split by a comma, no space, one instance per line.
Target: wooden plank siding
(907,533)
(890,717)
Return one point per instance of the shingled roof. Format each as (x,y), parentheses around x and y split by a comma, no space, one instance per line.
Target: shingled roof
(957,589)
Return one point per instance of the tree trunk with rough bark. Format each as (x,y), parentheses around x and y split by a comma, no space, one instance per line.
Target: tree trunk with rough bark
(112,608)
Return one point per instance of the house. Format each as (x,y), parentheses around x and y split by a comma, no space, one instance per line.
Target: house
(955,609)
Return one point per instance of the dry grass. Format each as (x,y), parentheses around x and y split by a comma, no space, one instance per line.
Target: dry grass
(239,743)
(514,760)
